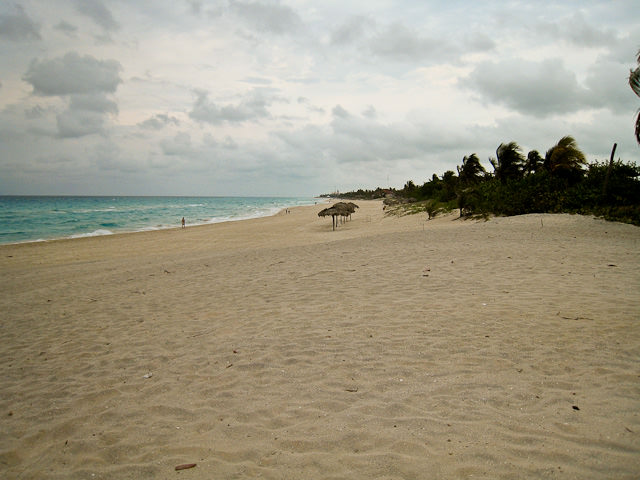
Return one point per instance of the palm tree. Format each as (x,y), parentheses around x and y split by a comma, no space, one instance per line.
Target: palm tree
(470,174)
(565,159)
(634,82)
(533,163)
(449,184)
(510,162)
(471,171)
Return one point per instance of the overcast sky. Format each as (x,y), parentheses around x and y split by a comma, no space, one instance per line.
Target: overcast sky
(301,97)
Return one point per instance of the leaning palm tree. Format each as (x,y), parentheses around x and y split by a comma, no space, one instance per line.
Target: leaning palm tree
(510,162)
(565,159)
(634,82)
(471,171)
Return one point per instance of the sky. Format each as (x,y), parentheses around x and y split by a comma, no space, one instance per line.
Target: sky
(301,97)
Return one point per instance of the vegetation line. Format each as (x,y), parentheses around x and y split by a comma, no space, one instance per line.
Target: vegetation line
(562,181)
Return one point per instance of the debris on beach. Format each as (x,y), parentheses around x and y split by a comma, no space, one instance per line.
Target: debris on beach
(147,375)
(185,466)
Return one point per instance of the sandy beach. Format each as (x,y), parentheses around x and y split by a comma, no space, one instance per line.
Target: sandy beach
(392,348)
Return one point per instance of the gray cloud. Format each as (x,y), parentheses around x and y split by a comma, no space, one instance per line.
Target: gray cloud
(98,103)
(85,115)
(229,143)
(624,51)
(276,19)
(196,6)
(257,81)
(548,87)
(252,107)
(78,123)
(340,112)
(179,145)
(608,86)
(96,10)
(73,74)
(310,107)
(578,31)
(478,42)
(16,26)
(357,141)
(66,28)
(370,112)
(353,29)
(158,122)
(399,42)
(531,88)
(34,112)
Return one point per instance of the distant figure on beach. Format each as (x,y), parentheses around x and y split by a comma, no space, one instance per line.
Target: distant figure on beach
(182,222)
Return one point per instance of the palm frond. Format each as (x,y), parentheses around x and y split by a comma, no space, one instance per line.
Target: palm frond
(638,128)
(634,81)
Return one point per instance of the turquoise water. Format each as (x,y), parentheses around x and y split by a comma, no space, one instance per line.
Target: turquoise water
(38,218)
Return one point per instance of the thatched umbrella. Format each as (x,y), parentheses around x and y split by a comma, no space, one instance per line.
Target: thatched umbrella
(353,207)
(330,211)
(343,209)
(346,209)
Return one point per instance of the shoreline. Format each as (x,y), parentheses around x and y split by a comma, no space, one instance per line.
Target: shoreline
(275,347)
(106,232)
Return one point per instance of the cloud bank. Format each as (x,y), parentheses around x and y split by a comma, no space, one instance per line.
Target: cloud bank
(277,97)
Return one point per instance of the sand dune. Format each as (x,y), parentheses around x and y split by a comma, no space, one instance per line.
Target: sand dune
(392,348)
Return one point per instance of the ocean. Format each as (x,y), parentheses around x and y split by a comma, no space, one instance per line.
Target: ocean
(41,218)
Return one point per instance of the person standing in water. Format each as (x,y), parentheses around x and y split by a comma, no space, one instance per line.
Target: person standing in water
(183,225)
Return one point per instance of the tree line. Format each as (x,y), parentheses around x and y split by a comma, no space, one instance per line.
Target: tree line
(561,181)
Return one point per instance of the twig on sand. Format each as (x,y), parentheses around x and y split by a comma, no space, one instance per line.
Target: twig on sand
(200,333)
(574,318)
